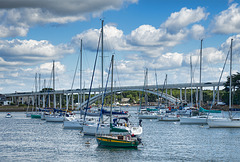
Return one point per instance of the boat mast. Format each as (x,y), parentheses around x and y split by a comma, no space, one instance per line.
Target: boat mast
(102,60)
(157,89)
(146,95)
(191,80)
(80,79)
(111,93)
(54,96)
(39,84)
(230,84)
(35,96)
(200,81)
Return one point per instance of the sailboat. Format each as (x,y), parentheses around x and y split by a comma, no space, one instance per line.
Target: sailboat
(36,114)
(104,127)
(120,140)
(146,113)
(229,122)
(164,115)
(74,122)
(199,119)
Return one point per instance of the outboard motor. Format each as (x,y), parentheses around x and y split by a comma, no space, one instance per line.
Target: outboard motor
(139,140)
(140,122)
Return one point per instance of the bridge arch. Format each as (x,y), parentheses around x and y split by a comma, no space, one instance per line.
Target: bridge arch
(99,96)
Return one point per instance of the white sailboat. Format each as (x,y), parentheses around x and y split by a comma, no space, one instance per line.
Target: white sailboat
(74,122)
(229,122)
(199,119)
(143,113)
(168,117)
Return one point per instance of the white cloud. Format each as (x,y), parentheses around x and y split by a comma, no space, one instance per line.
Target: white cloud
(31,51)
(228,21)
(18,16)
(183,18)
(46,68)
(197,32)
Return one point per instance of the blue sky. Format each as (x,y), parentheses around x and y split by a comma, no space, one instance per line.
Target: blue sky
(159,35)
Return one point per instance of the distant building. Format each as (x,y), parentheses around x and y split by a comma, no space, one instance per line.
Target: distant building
(4,101)
(125,100)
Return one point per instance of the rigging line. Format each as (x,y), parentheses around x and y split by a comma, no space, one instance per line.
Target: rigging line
(104,95)
(214,95)
(92,78)
(144,84)
(69,97)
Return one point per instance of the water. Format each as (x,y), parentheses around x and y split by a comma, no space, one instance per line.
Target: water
(26,139)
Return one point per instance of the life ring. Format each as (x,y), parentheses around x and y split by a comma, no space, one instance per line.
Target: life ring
(128,137)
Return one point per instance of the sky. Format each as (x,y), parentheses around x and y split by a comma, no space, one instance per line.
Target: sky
(160,35)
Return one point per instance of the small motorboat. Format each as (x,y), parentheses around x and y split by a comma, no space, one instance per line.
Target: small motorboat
(8,115)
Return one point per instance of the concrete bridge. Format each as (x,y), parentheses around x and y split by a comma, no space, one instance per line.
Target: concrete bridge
(27,97)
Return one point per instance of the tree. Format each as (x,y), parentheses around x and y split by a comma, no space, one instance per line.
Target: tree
(235,89)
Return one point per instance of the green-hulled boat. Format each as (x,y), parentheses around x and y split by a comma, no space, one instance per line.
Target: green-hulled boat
(35,115)
(118,141)
(209,111)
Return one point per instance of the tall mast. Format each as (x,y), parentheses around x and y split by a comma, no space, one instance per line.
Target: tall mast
(39,84)
(230,84)
(191,80)
(54,96)
(200,81)
(102,60)
(80,73)
(157,88)
(35,96)
(146,85)
(111,93)
(53,75)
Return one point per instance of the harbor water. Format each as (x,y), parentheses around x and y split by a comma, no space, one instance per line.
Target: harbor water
(26,139)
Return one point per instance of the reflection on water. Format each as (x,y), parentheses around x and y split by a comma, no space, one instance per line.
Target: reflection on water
(23,139)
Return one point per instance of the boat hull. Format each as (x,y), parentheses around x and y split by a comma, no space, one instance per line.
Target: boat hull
(91,130)
(223,123)
(109,142)
(147,116)
(54,119)
(36,116)
(193,120)
(72,124)
(168,119)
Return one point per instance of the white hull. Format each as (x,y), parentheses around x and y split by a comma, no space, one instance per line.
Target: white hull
(91,129)
(193,120)
(74,124)
(146,116)
(224,123)
(8,116)
(168,118)
(137,131)
(54,118)
(28,114)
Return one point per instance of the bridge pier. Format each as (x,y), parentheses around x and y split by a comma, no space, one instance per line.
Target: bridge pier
(181,94)
(44,101)
(67,101)
(60,101)
(39,96)
(197,96)
(54,101)
(72,102)
(185,94)
(49,100)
